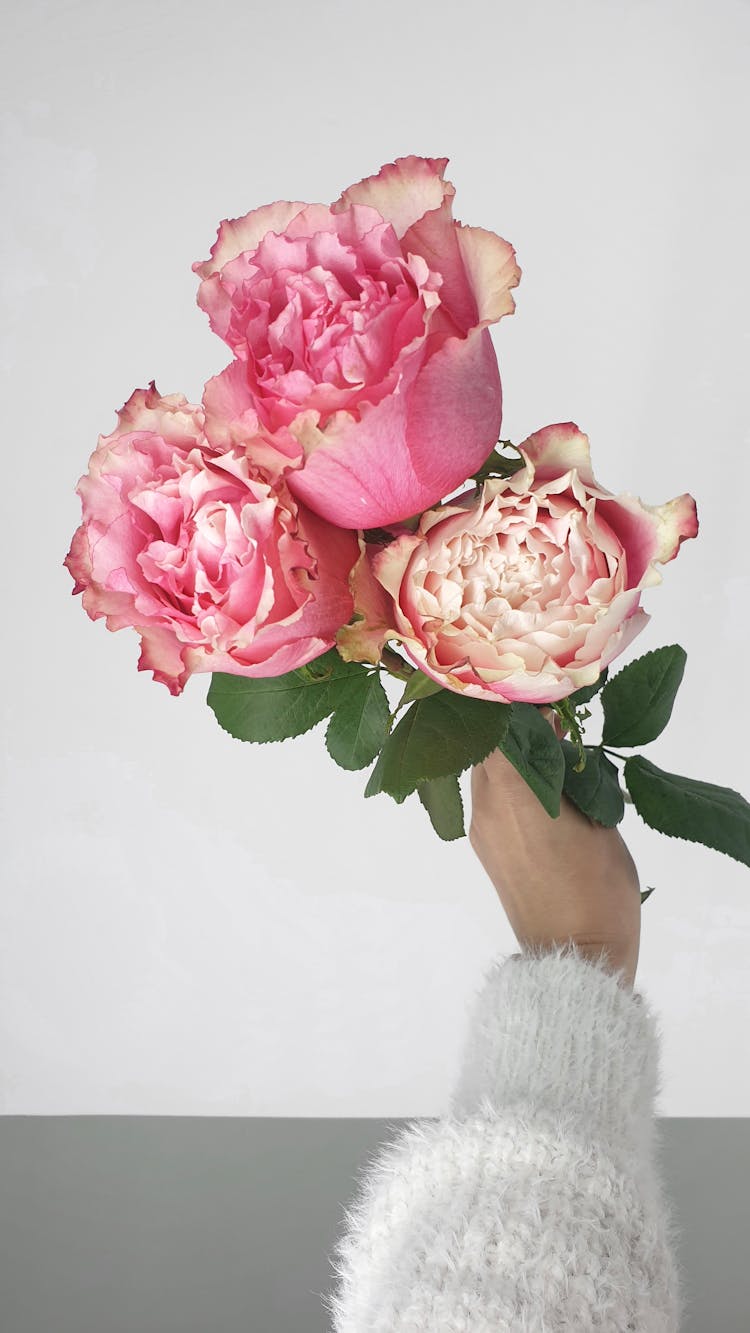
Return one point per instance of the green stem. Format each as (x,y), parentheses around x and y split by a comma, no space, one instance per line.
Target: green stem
(395,665)
(615,753)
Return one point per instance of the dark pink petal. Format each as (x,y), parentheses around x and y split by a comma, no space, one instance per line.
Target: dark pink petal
(412,447)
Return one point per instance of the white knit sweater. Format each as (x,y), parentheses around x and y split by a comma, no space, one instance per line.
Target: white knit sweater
(536,1205)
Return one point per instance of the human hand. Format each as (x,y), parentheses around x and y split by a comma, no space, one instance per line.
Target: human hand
(559,880)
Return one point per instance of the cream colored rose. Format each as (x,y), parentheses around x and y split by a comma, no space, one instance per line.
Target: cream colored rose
(523,591)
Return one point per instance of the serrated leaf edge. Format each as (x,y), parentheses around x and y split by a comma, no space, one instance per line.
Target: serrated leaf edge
(680,837)
(332,717)
(612,681)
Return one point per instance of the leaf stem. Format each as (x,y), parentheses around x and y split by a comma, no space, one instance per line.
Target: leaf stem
(395,665)
(616,753)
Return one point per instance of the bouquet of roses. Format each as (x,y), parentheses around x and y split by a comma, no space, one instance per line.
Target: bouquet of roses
(295,535)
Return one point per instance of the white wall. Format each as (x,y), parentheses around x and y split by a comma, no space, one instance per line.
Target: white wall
(190,926)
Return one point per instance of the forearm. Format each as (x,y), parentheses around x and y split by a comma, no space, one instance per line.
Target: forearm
(536,1203)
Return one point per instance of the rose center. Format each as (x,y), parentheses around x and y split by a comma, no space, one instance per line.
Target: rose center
(503,572)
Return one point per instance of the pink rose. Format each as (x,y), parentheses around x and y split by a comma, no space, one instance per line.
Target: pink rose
(525,591)
(216,568)
(361,342)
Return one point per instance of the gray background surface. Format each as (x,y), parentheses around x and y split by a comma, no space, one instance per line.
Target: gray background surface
(198,1225)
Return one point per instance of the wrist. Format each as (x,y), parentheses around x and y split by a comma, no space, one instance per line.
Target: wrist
(616,956)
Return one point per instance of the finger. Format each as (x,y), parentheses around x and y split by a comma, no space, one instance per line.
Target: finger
(553,718)
(497,771)
(496,762)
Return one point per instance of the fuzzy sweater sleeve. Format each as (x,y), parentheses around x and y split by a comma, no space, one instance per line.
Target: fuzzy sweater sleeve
(536,1204)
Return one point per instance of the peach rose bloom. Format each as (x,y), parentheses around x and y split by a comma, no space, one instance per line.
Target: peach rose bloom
(525,591)
(215,566)
(361,343)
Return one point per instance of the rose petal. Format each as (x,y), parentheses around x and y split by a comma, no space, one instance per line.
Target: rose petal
(237,235)
(491,270)
(364,640)
(556,449)
(402,191)
(232,421)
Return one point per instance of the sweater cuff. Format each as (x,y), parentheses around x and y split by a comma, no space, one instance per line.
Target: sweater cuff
(555,1033)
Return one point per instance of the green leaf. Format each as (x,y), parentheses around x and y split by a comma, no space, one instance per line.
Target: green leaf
(596,789)
(418,686)
(717,817)
(437,738)
(647,893)
(359,727)
(441,798)
(587,692)
(272,708)
(638,701)
(533,748)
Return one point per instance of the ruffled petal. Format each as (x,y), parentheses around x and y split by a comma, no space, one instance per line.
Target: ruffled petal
(402,191)
(557,449)
(678,520)
(236,236)
(231,421)
(491,270)
(364,640)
